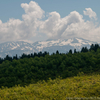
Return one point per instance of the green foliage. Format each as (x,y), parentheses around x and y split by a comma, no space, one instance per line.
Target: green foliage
(80,74)
(78,87)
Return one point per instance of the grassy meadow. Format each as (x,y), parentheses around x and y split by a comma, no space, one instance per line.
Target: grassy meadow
(73,88)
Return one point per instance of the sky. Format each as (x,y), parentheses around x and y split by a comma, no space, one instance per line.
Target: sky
(40,20)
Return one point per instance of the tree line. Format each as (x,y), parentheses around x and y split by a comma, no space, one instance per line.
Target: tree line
(39,54)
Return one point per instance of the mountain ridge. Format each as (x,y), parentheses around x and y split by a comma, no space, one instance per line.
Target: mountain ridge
(62,45)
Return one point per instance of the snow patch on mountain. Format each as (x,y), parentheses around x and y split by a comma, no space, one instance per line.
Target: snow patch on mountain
(63,46)
(74,42)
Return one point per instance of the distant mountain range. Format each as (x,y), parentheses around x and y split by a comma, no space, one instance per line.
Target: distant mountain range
(63,46)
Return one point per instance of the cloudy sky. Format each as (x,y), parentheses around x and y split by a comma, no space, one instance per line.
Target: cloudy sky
(49,19)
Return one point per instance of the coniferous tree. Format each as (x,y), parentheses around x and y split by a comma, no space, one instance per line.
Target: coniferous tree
(70,51)
(84,49)
(57,52)
(92,47)
(15,57)
(96,47)
(75,51)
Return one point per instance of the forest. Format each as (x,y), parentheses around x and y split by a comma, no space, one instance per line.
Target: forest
(33,68)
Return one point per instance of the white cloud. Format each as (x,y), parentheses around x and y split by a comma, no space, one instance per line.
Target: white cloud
(55,26)
(90,13)
(16,29)
(70,26)
(31,25)
(32,10)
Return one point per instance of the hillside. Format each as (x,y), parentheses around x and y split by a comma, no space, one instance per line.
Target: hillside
(42,66)
(51,77)
(80,87)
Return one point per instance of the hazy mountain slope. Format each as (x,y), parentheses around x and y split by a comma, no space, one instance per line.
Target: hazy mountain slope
(63,46)
(13,48)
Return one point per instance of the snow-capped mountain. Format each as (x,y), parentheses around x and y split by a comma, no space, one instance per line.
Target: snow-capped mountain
(63,46)
(13,48)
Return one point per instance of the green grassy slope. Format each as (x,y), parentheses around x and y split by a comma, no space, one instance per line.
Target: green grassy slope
(84,86)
